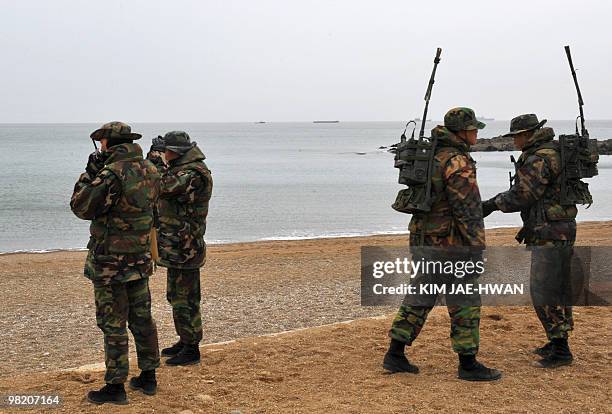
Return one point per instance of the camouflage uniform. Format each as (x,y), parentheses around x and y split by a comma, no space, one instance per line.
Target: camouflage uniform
(546,223)
(455,219)
(186,188)
(118,200)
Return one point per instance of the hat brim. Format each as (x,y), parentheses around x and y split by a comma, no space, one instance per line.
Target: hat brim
(520,131)
(98,134)
(479,125)
(180,149)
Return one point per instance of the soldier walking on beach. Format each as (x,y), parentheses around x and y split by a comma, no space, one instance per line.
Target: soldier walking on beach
(186,188)
(548,226)
(455,219)
(117,193)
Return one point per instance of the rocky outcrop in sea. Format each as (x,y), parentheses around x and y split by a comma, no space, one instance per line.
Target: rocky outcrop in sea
(505,144)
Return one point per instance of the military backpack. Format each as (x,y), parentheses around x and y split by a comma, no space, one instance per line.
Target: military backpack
(414,159)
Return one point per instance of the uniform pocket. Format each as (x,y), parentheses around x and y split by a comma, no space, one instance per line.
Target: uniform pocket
(557,212)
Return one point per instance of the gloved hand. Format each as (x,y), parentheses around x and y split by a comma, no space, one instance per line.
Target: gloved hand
(488,207)
(158,144)
(156,158)
(95,163)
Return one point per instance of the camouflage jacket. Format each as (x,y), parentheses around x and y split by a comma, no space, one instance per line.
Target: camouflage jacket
(119,202)
(186,189)
(455,218)
(536,193)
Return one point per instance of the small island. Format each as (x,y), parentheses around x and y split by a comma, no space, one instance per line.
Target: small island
(502,143)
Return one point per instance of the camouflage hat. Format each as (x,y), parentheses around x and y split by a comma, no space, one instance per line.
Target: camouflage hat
(178,141)
(524,123)
(462,119)
(115,129)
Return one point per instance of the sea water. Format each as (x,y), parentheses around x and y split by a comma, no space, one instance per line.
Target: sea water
(271,180)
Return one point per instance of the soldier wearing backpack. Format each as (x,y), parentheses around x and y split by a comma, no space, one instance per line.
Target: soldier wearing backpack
(453,221)
(549,228)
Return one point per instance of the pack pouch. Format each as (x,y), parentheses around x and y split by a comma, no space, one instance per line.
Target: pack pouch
(412,200)
(579,158)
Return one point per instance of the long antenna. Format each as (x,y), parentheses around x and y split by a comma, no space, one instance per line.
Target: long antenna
(580,101)
(428,93)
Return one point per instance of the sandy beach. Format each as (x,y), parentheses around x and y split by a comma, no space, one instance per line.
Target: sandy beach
(253,289)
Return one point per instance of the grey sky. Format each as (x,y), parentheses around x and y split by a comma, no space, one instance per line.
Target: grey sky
(85,61)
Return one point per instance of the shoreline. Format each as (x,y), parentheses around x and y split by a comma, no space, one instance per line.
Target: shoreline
(391,233)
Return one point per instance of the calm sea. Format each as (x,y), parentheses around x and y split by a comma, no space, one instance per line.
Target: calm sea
(272,180)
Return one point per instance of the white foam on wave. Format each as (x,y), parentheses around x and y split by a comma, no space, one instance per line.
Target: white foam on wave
(37,251)
(331,235)
(338,235)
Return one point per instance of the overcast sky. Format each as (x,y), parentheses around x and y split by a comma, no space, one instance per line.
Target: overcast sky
(249,60)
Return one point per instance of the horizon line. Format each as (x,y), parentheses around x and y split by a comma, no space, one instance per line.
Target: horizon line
(265,122)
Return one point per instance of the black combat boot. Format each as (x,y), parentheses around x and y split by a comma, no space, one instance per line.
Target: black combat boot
(145,382)
(543,351)
(472,370)
(173,350)
(559,355)
(110,393)
(189,355)
(395,360)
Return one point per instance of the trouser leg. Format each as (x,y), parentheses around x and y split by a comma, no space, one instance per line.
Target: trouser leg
(142,324)
(551,287)
(408,323)
(111,315)
(465,329)
(183,293)
(556,320)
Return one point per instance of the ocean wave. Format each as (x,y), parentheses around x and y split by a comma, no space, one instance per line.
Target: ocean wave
(330,235)
(69,249)
(337,235)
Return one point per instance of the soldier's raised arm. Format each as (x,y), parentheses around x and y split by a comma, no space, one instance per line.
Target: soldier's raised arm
(94,197)
(532,179)
(464,198)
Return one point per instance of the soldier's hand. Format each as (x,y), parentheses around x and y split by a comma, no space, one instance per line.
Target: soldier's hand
(156,159)
(95,163)
(488,207)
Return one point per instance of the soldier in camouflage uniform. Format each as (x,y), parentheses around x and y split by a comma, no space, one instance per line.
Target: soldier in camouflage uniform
(186,188)
(117,193)
(455,219)
(549,228)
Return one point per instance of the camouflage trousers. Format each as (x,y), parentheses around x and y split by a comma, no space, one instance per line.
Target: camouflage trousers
(465,326)
(183,293)
(546,268)
(464,312)
(557,320)
(116,304)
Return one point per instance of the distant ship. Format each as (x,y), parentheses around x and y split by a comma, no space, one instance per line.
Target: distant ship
(260,122)
(325,122)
